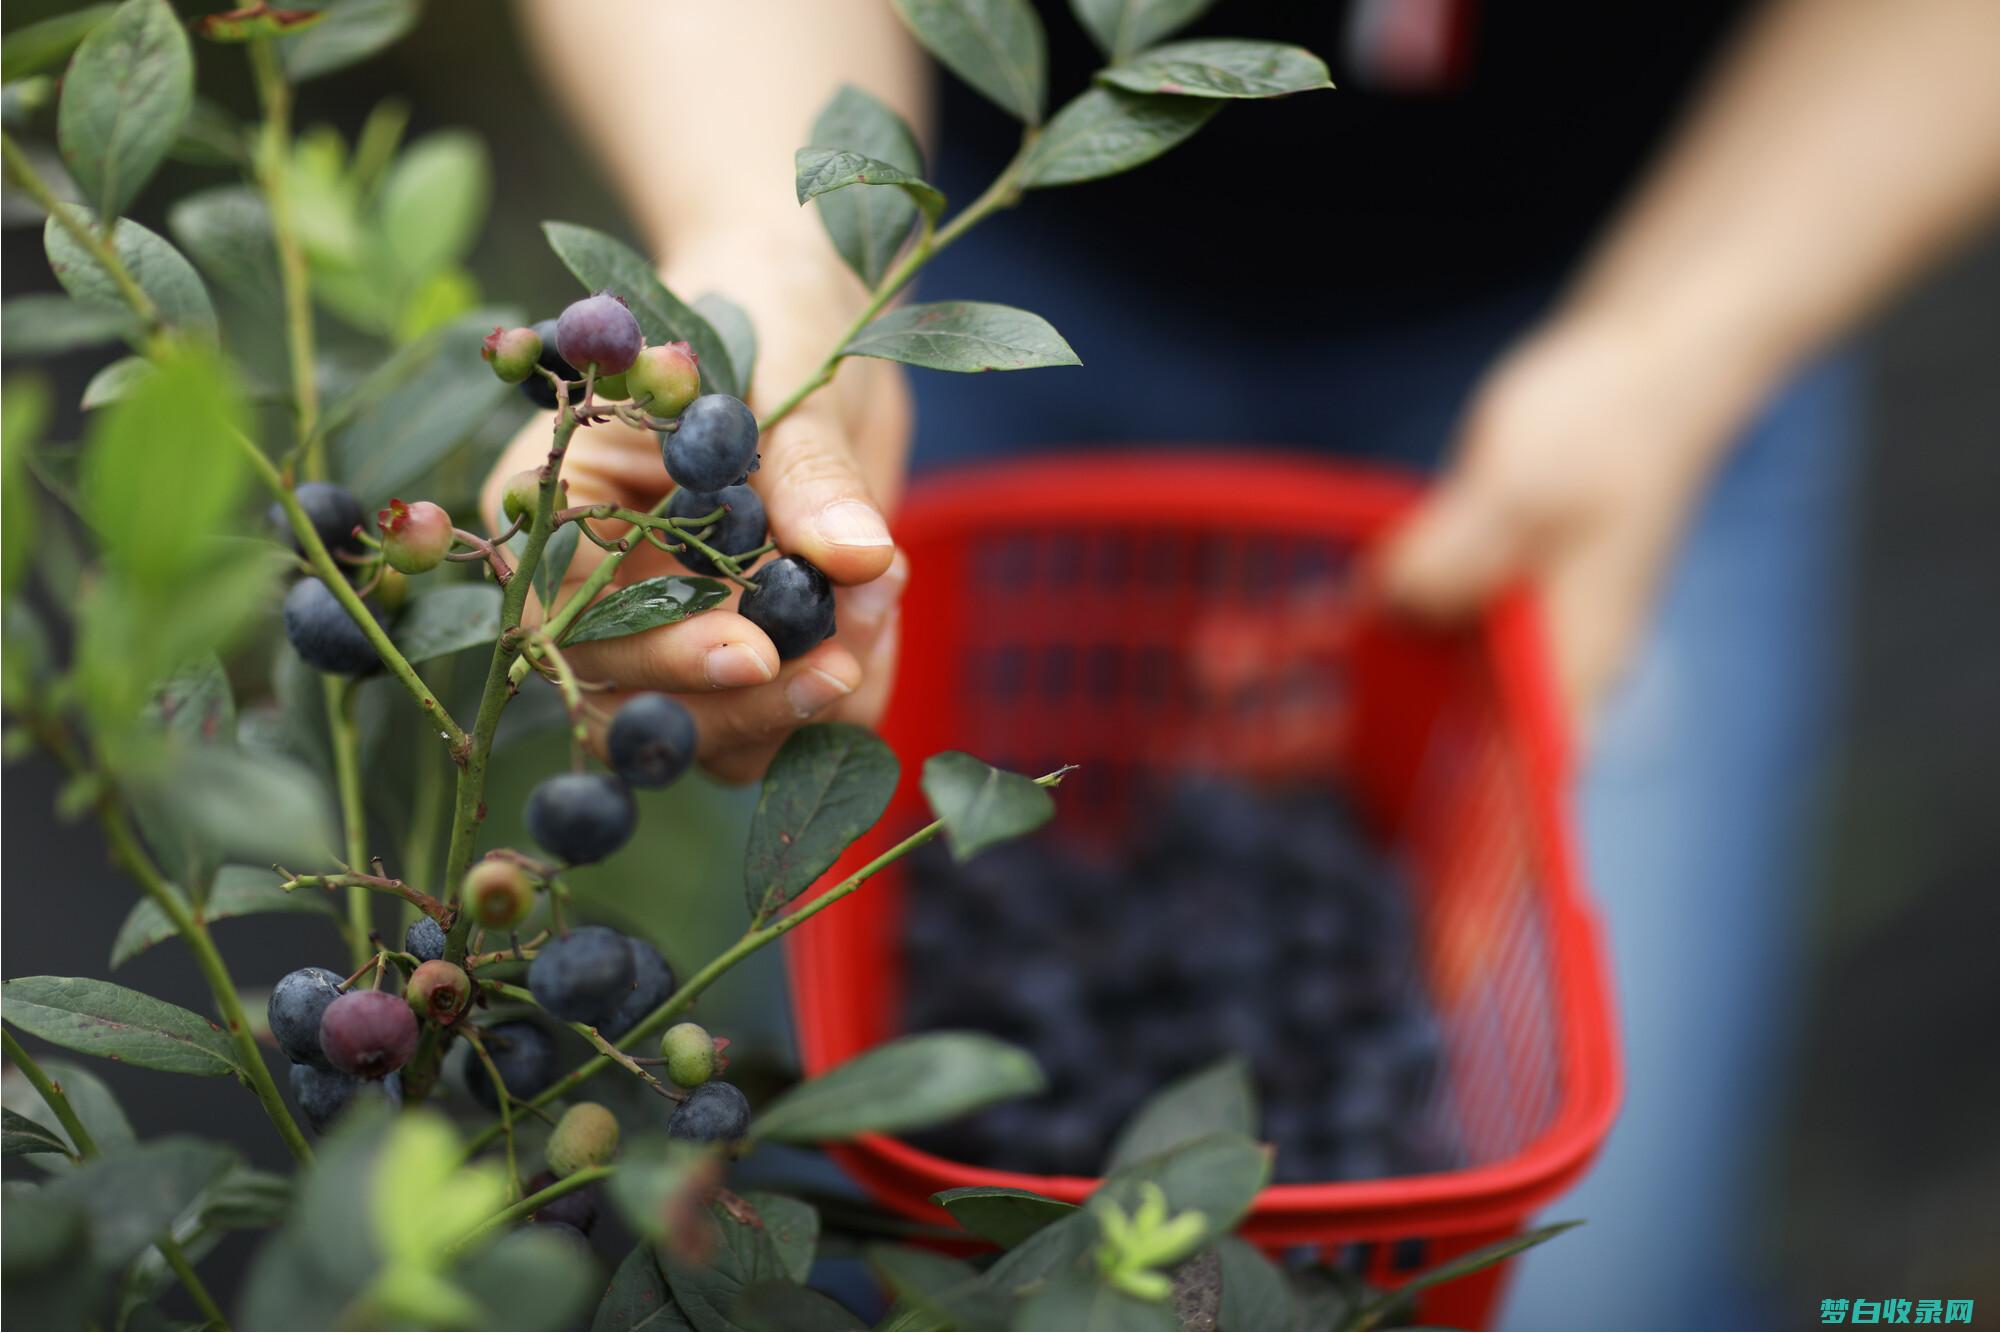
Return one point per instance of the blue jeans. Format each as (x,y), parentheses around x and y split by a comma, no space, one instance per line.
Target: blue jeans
(1694,805)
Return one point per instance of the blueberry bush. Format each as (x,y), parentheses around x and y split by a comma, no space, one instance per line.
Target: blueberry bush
(307,335)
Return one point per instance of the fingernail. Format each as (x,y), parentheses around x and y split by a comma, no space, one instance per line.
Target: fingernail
(812,690)
(869,602)
(851,523)
(732,666)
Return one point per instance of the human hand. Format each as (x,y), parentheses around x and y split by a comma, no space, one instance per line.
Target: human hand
(829,472)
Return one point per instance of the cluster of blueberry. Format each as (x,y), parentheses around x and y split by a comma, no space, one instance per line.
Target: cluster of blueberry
(1260,924)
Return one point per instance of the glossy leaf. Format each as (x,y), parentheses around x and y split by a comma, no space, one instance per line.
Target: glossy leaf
(1216,1100)
(1105,131)
(744,1257)
(1051,1250)
(47,324)
(98,1018)
(963,336)
(161,271)
(909,1083)
(867,227)
(447,620)
(115,381)
(1221,67)
(352,31)
(22,1137)
(407,416)
(434,201)
(1004,1216)
(128,89)
(1121,27)
(828,785)
(980,805)
(35,47)
(1254,1294)
(602,263)
(638,1297)
(227,231)
(793,1226)
(997,46)
(238,891)
(732,324)
(557,553)
(252,808)
(648,604)
(821,171)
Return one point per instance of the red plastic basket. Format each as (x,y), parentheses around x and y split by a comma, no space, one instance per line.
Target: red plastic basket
(1126,613)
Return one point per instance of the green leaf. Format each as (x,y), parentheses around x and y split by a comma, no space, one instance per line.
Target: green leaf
(94,1104)
(1324,1297)
(788,1305)
(238,891)
(434,201)
(1051,1250)
(1221,67)
(160,270)
(127,91)
(529,1279)
(963,336)
(193,707)
(98,1018)
(1080,1299)
(46,324)
(352,31)
(1104,131)
(408,415)
(210,137)
(997,46)
(793,1226)
(732,324)
(557,553)
(24,412)
(982,806)
(1218,1176)
(1216,1100)
(604,264)
(1004,1216)
(657,1184)
(648,604)
(868,227)
(22,1137)
(828,785)
(909,1083)
(824,170)
(252,808)
(135,1193)
(1254,1294)
(1382,1307)
(950,1291)
(744,1257)
(34,47)
(115,381)
(638,1297)
(1121,27)
(441,621)
(227,230)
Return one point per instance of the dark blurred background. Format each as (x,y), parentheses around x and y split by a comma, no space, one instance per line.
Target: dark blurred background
(1885,1176)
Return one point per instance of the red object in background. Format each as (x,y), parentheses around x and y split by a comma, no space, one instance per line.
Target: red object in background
(1108,611)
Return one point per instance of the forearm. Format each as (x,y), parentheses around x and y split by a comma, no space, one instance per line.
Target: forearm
(1844,144)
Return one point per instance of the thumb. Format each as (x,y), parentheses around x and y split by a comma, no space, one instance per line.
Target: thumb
(818,504)
(1463,544)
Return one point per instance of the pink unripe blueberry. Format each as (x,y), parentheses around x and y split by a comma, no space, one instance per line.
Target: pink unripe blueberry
(599,331)
(498,894)
(438,990)
(665,378)
(368,1033)
(415,537)
(512,353)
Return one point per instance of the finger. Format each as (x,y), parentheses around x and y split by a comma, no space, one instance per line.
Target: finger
(878,675)
(718,650)
(818,503)
(1463,545)
(740,730)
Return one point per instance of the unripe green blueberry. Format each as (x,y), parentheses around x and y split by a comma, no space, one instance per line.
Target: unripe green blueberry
(613,388)
(438,990)
(392,590)
(512,353)
(690,1054)
(415,537)
(587,1135)
(498,894)
(666,377)
(524,493)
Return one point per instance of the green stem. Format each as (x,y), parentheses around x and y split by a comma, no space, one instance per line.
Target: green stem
(274,152)
(506,1100)
(353,811)
(527,1207)
(751,941)
(98,247)
(86,1148)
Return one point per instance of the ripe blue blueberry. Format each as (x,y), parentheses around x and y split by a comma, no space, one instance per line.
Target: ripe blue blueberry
(333,511)
(715,1112)
(599,330)
(583,975)
(368,1033)
(651,740)
(538,390)
(742,528)
(525,1056)
(322,1094)
(652,983)
(581,817)
(425,939)
(716,445)
(297,1002)
(792,602)
(323,634)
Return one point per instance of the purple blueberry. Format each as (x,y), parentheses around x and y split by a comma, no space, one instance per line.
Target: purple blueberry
(368,1033)
(599,330)
(577,1209)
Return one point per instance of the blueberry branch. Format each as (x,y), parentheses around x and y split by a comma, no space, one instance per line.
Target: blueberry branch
(99,249)
(423,902)
(751,941)
(274,150)
(588,1033)
(527,1207)
(505,1098)
(346,745)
